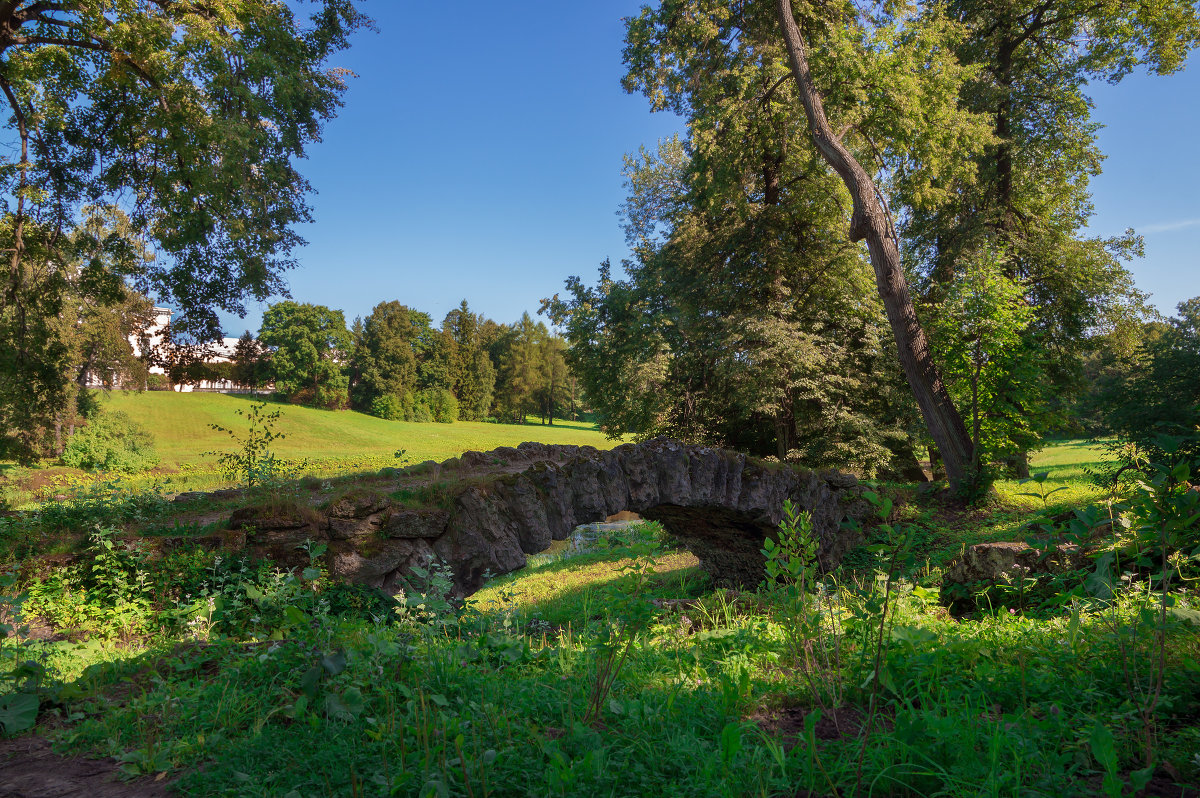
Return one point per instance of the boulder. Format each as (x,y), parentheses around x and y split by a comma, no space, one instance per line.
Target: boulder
(1002,562)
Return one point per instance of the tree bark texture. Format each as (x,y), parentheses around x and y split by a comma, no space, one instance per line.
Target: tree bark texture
(871,221)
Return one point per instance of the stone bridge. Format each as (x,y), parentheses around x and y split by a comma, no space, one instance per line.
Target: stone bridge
(485,512)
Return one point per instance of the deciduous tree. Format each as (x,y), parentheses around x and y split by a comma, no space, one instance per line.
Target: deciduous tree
(1032,61)
(184,119)
(308,344)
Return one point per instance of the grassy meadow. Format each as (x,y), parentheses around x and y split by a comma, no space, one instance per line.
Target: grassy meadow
(318,442)
(180,424)
(617,670)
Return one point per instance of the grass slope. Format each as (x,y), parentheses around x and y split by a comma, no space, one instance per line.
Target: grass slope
(180,425)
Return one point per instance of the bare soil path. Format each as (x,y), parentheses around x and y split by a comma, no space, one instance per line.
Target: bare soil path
(30,769)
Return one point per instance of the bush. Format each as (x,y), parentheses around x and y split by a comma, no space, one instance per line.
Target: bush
(390,407)
(419,412)
(112,441)
(431,404)
(442,404)
(157,382)
(323,398)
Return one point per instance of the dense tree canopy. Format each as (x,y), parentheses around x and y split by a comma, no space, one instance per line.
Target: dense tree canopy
(748,317)
(309,344)
(188,117)
(1160,393)
(151,145)
(891,88)
(1029,197)
(386,353)
(962,127)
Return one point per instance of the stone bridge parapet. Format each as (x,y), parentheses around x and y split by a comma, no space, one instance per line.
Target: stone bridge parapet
(484,512)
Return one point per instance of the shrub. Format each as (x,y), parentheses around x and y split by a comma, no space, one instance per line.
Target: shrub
(112,441)
(254,462)
(431,404)
(322,398)
(443,407)
(157,382)
(390,407)
(418,410)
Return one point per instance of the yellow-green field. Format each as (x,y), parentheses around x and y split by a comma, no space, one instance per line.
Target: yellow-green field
(1067,463)
(180,423)
(323,442)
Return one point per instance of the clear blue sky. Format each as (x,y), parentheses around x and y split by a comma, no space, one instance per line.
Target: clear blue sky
(478,156)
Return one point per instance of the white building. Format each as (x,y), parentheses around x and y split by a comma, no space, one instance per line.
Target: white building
(156,337)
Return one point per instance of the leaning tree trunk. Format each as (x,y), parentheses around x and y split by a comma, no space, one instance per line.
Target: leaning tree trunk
(871,221)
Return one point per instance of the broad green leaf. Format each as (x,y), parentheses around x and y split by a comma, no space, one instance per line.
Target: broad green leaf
(18,712)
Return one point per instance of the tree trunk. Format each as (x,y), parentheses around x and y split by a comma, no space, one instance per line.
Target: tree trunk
(1019,463)
(871,221)
(936,468)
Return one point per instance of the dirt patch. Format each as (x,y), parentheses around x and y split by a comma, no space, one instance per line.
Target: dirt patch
(834,724)
(29,769)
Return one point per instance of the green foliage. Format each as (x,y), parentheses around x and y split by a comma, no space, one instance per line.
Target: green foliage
(993,369)
(471,374)
(443,407)
(1160,394)
(429,405)
(198,113)
(747,319)
(429,598)
(792,559)
(253,462)
(390,407)
(395,341)
(1029,195)
(307,342)
(111,441)
(101,503)
(251,366)
(532,375)
(616,671)
(19,701)
(106,593)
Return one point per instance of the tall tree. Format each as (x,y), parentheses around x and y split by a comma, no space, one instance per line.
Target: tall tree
(183,118)
(389,353)
(308,345)
(553,375)
(472,376)
(520,373)
(769,302)
(1032,60)
(934,79)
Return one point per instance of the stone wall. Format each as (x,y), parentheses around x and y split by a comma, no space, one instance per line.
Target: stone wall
(486,511)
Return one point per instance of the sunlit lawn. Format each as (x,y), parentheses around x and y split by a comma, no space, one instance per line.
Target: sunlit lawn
(327,442)
(181,427)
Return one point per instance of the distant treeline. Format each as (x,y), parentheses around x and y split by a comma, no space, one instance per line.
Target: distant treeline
(397,365)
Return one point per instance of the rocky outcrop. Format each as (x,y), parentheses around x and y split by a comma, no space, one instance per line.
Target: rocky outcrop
(1005,562)
(720,504)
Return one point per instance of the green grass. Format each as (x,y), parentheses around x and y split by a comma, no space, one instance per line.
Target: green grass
(328,443)
(180,425)
(293,688)
(1068,464)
